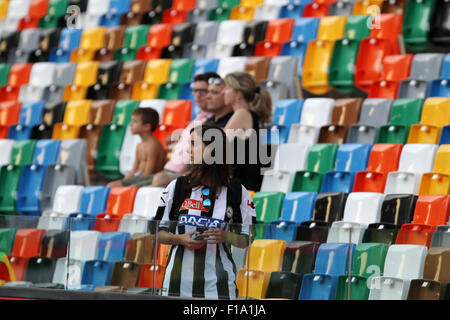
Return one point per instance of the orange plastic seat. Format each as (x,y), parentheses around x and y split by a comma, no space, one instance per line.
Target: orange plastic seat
(251,3)
(27,243)
(384,158)
(37,10)
(316,10)
(149,273)
(92,40)
(390,28)
(76,115)
(85,76)
(280,30)
(316,65)
(9,113)
(366,7)
(159,37)
(163,254)
(369,61)
(415,234)
(268,49)
(242,13)
(121,201)
(432,210)
(424,134)
(184,5)
(176,115)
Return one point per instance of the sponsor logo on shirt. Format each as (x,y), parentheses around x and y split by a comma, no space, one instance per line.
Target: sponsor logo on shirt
(201,222)
(193,205)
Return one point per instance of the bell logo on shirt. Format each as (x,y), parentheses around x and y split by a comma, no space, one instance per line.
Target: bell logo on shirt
(193,205)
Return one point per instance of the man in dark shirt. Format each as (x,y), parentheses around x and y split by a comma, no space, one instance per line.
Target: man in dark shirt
(216,103)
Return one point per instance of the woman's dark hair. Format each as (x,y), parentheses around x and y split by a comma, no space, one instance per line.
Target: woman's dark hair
(217,174)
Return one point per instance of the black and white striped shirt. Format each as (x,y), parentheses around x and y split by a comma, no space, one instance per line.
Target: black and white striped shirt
(209,272)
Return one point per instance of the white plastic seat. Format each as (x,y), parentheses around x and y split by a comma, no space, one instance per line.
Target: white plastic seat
(230,33)
(345,232)
(6,148)
(157,104)
(146,202)
(277,181)
(17,10)
(363,208)
(84,245)
(71,277)
(133,224)
(276,2)
(403,263)
(42,76)
(52,221)
(95,10)
(67,199)
(231,64)
(415,160)
(267,12)
(316,113)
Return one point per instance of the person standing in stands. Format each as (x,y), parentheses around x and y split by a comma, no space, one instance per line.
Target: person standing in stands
(252,110)
(150,154)
(201,215)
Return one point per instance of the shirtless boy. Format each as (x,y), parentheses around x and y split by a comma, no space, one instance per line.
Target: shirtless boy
(150,154)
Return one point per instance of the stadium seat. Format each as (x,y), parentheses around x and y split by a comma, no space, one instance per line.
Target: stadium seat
(7,236)
(84,245)
(368,258)
(55,12)
(311,120)
(28,43)
(329,207)
(366,7)
(297,208)
(229,34)
(67,199)
(332,260)
(134,39)
(425,68)
(384,158)
(42,77)
(321,159)
(393,6)
(415,160)
(113,41)
(9,116)
(398,209)
(117,9)
(345,52)
(341,8)
(92,40)
(125,275)
(54,244)
(440,237)
(19,75)
(68,272)
(268,205)
(445,135)
(27,243)
(6,147)
(97,273)
(439,87)
(389,27)
(40,270)
(69,40)
(231,64)
(395,282)
(75,116)
(415,34)
(374,114)
(435,278)
(182,35)
(17,10)
(64,76)
(432,210)
(85,77)
(437,182)
(316,9)
(287,112)
(30,116)
(258,68)
(53,113)
(180,74)
(108,74)
(206,33)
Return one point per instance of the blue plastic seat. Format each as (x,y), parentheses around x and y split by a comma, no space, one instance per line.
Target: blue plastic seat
(117,8)
(297,208)
(68,41)
(441,87)
(112,245)
(287,112)
(291,11)
(30,115)
(205,65)
(305,30)
(97,273)
(93,200)
(351,158)
(445,135)
(332,261)
(33,175)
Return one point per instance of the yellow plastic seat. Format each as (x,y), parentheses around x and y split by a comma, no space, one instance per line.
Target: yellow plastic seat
(157,71)
(424,134)
(92,40)
(332,28)
(251,3)
(438,181)
(76,115)
(266,255)
(242,13)
(85,76)
(252,283)
(436,112)
(4,4)
(144,91)
(367,7)
(315,67)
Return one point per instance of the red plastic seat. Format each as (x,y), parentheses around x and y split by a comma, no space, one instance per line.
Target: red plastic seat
(268,49)
(27,243)
(280,30)
(390,28)
(369,62)
(176,115)
(149,272)
(415,234)
(184,5)
(106,222)
(395,69)
(172,16)
(121,201)
(19,75)
(37,10)
(384,158)
(316,10)
(432,210)
(9,112)
(19,266)
(159,37)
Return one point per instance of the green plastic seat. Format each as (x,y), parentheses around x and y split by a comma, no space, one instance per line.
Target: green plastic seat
(4,73)
(368,260)
(56,10)
(170,91)
(123,111)
(10,177)
(180,74)
(135,38)
(416,23)
(345,52)
(219,14)
(405,113)
(22,152)
(321,158)
(268,207)
(7,240)
(109,146)
(228,3)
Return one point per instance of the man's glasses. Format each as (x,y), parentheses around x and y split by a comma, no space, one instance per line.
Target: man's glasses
(207,200)
(200,91)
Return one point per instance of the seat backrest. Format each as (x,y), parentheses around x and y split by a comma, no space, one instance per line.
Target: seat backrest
(405,261)
(332,258)
(364,208)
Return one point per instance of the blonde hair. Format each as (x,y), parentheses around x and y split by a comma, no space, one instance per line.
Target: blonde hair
(259,100)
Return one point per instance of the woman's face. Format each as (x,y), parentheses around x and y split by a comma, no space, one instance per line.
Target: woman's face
(197,148)
(229,96)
